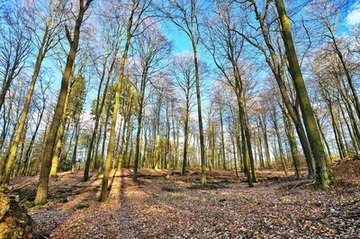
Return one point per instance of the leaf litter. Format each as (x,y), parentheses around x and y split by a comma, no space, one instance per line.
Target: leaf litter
(179,207)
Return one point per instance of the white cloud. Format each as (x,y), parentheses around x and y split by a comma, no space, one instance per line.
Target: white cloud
(354,16)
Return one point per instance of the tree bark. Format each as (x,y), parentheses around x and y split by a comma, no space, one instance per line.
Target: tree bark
(322,173)
(42,188)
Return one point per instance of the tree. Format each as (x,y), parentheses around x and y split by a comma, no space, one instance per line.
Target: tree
(184,73)
(226,48)
(323,175)
(220,100)
(112,28)
(185,15)
(136,10)
(330,83)
(327,13)
(152,47)
(15,46)
(48,41)
(42,189)
(274,118)
(40,106)
(269,47)
(74,107)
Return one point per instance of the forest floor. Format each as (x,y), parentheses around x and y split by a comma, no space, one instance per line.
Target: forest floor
(180,207)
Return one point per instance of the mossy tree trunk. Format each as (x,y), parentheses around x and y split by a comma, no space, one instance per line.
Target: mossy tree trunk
(274,63)
(42,188)
(137,9)
(289,129)
(323,175)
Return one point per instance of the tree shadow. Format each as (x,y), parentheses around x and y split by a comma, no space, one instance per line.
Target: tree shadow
(64,200)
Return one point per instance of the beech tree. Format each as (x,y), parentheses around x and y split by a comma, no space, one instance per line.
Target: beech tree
(152,47)
(42,189)
(327,13)
(45,43)
(185,16)
(226,48)
(184,73)
(105,65)
(323,174)
(269,47)
(136,11)
(330,83)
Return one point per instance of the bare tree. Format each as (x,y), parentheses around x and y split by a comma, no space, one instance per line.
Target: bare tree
(42,189)
(113,30)
(323,174)
(327,13)
(184,73)
(226,48)
(185,15)
(49,39)
(269,46)
(15,46)
(152,48)
(135,10)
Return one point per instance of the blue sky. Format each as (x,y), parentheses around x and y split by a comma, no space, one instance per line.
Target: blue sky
(353,16)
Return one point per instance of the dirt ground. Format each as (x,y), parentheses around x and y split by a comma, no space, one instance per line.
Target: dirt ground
(179,207)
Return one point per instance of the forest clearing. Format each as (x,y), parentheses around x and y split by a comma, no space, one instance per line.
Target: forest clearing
(180,207)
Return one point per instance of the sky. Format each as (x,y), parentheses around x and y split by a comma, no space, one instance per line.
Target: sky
(354,16)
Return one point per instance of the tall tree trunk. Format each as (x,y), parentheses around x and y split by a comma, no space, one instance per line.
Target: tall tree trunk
(77,133)
(222,134)
(293,147)
(42,188)
(245,157)
(32,141)
(22,149)
(274,63)
(278,136)
(234,154)
(129,36)
(99,110)
(15,143)
(59,141)
(125,154)
(322,173)
(260,147)
(324,138)
(138,133)
(186,140)
(198,98)
(103,147)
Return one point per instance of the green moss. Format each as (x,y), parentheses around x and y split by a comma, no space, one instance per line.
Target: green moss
(173,198)
(325,180)
(29,204)
(83,205)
